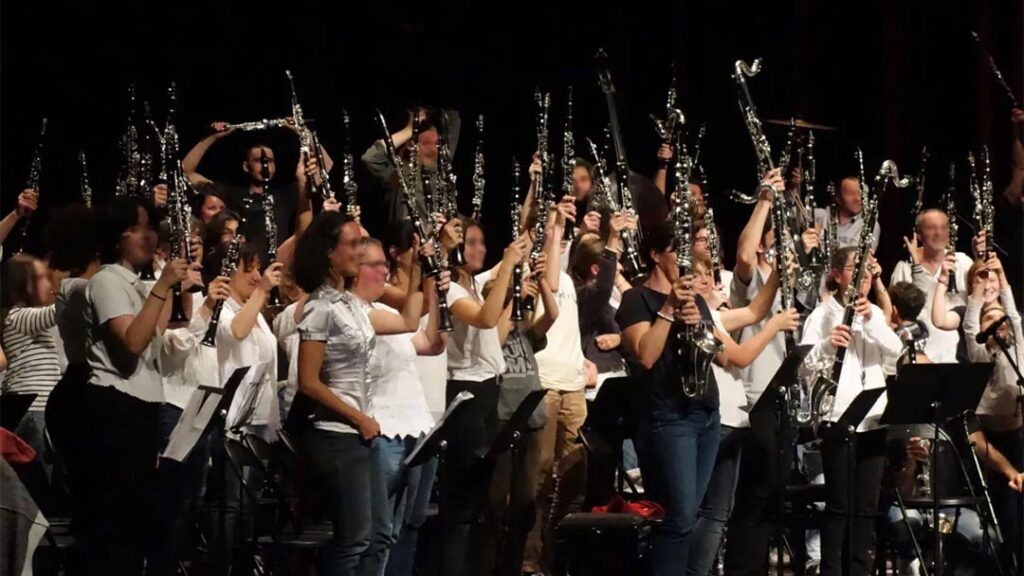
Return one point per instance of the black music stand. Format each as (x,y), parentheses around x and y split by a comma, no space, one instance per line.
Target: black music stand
(13,408)
(508,440)
(770,418)
(847,426)
(609,417)
(929,394)
(227,394)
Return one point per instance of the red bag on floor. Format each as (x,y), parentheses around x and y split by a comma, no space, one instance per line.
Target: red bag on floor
(642,508)
(14,449)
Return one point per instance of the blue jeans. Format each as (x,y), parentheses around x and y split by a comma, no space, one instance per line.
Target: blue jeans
(230,509)
(180,488)
(967,527)
(706,539)
(395,527)
(353,491)
(683,447)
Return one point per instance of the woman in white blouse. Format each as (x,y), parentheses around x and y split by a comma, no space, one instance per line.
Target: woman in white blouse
(337,335)
(244,339)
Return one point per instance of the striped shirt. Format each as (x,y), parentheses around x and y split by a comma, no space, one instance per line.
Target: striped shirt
(32,358)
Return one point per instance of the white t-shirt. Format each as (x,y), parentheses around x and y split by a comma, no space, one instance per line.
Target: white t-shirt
(474,354)
(433,375)
(561,361)
(177,344)
(760,372)
(399,404)
(732,398)
(1000,396)
(286,329)
(874,345)
(942,344)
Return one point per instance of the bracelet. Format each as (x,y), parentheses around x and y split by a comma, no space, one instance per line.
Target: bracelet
(157,296)
(664,316)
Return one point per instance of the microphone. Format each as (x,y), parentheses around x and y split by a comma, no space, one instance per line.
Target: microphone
(983,336)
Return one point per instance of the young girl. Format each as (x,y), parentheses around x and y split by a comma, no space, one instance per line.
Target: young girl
(337,337)
(28,316)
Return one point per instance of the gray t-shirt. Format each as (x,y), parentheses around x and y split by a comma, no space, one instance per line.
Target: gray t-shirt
(116,291)
(521,377)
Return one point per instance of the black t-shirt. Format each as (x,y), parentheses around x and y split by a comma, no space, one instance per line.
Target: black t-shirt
(250,207)
(663,379)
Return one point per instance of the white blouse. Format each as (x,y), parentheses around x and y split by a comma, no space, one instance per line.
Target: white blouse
(258,350)
(399,404)
(337,319)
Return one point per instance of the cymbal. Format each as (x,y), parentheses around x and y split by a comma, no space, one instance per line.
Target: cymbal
(797,122)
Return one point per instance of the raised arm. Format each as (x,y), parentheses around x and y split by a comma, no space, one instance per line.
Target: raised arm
(487,315)
(130,333)
(941,318)
(430,341)
(759,307)
(665,154)
(28,200)
(741,355)
(409,319)
(190,163)
(750,237)
(243,322)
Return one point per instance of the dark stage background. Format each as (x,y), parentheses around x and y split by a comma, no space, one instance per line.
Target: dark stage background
(892,75)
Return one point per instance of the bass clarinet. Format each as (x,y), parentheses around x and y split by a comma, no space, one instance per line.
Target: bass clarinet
(478,171)
(696,346)
(431,264)
(543,207)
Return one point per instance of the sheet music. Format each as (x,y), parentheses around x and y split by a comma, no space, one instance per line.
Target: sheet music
(459,399)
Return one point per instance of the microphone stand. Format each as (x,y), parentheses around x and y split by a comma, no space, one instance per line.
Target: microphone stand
(1016,556)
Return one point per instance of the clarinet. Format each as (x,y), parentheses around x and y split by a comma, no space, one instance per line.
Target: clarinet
(668,127)
(814,260)
(984,213)
(540,227)
(517,272)
(270,225)
(264,124)
(227,267)
(83,181)
(919,200)
(741,71)
(34,172)
(696,345)
(953,227)
(631,265)
(128,175)
(714,244)
(321,169)
(568,166)
(478,171)
(307,146)
(448,190)
(348,172)
(431,264)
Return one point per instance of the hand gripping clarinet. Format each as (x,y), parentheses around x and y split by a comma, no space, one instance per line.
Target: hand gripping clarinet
(32,183)
(270,225)
(674,119)
(517,272)
(308,145)
(228,264)
(431,264)
(448,189)
(631,263)
(83,182)
(348,178)
(543,207)
(696,346)
(815,260)
(568,166)
(984,215)
(478,171)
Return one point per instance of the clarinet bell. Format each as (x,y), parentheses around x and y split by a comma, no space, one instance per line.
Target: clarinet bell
(631,264)
(444,320)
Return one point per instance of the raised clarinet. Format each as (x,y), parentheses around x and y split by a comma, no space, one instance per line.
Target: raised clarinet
(348,177)
(542,197)
(270,225)
(568,166)
(83,182)
(952,226)
(478,170)
(32,183)
(517,272)
(447,190)
(431,264)
(984,214)
(228,264)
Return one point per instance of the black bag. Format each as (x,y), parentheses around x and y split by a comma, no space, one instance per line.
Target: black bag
(602,544)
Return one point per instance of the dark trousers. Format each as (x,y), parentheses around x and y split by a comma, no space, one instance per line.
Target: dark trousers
(113,468)
(753,519)
(179,502)
(716,508)
(230,510)
(464,499)
(1008,504)
(858,473)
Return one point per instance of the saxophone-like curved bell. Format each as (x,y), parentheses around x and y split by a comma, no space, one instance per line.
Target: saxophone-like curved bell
(749,70)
